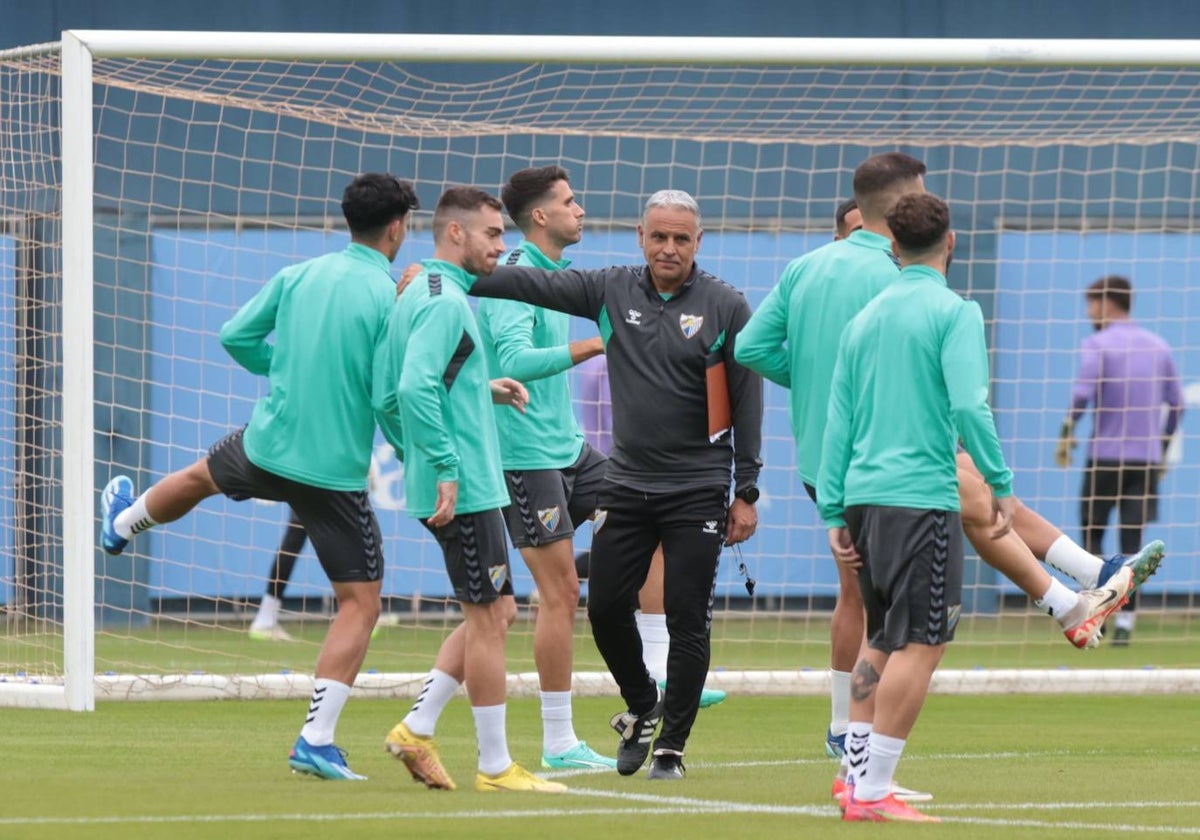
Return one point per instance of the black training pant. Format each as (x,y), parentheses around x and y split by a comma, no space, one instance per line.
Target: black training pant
(629,525)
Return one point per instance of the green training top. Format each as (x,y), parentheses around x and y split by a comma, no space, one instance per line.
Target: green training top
(911,379)
(328,314)
(532,345)
(815,298)
(443,394)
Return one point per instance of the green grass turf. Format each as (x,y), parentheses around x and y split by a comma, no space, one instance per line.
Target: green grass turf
(1004,766)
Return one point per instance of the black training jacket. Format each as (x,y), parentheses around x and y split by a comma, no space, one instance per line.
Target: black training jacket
(658,353)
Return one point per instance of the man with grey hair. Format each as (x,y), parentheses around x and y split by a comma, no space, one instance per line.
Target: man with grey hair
(685,415)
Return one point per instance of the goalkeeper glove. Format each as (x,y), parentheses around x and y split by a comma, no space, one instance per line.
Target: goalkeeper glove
(1066,444)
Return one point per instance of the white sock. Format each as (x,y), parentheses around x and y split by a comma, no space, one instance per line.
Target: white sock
(1068,557)
(134,519)
(876,782)
(839,701)
(558,733)
(1125,620)
(1058,601)
(435,694)
(855,760)
(328,698)
(656,643)
(493,741)
(268,613)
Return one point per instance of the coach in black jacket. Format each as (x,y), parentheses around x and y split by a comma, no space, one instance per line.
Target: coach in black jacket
(664,325)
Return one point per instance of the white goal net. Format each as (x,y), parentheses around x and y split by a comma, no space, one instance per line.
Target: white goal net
(205,175)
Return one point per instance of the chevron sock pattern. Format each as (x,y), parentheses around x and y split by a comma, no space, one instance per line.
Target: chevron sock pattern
(324,709)
(134,519)
(858,735)
(436,693)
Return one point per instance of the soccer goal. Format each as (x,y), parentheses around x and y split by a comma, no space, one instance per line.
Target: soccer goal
(150,182)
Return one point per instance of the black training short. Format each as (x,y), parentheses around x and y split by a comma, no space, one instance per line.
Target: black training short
(912,572)
(340,523)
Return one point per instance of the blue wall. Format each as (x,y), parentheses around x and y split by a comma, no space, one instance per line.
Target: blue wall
(225,548)
(197,394)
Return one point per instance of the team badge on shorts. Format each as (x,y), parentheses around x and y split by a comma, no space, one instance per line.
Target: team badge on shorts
(690,324)
(498,574)
(598,520)
(549,518)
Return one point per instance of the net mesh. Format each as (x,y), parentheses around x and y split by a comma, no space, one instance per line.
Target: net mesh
(212,175)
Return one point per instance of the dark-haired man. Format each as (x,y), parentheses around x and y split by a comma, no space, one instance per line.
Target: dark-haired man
(847,219)
(437,375)
(794,329)
(309,439)
(1128,374)
(910,378)
(551,473)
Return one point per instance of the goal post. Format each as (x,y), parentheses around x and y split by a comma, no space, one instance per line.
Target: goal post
(227,151)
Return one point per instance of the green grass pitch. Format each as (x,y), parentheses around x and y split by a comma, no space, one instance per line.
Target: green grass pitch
(1000,766)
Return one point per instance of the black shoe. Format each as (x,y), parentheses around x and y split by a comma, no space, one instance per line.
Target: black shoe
(636,731)
(1120,637)
(667,764)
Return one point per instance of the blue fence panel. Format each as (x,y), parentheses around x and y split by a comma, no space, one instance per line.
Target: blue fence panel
(198,395)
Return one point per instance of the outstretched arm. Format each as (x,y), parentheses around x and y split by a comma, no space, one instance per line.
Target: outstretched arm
(511,325)
(244,336)
(569,290)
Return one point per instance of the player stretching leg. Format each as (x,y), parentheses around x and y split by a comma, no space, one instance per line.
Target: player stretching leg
(312,449)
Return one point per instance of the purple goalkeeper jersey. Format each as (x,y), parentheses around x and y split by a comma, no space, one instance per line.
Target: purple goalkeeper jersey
(1128,374)
(595,403)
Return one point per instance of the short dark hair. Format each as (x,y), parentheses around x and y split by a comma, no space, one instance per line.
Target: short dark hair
(526,188)
(843,210)
(918,221)
(1115,288)
(458,200)
(374,200)
(877,179)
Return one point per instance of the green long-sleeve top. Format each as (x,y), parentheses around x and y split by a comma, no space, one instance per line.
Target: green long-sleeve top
(792,337)
(532,345)
(442,392)
(911,379)
(328,315)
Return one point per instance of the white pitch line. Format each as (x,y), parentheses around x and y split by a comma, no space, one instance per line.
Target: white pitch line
(364,817)
(1058,826)
(1056,806)
(908,759)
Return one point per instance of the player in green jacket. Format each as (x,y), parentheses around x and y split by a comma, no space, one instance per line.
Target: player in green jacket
(454,482)
(309,439)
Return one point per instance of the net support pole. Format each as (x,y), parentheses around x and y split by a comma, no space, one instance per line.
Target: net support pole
(78,421)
